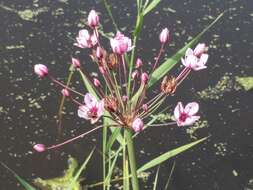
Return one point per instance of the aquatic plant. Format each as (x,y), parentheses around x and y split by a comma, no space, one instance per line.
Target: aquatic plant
(121,95)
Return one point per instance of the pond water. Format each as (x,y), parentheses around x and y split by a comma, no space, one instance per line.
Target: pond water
(42,32)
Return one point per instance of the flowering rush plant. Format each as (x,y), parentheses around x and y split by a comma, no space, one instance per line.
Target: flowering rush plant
(119,95)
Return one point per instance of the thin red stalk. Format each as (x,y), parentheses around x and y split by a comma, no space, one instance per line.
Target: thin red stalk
(64,86)
(158,57)
(73,139)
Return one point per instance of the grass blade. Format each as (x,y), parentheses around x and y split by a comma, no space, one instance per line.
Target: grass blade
(156,178)
(87,84)
(112,138)
(25,184)
(158,160)
(81,169)
(151,6)
(169,179)
(165,67)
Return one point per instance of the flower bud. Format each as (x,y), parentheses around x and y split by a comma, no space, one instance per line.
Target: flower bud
(138,63)
(144,78)
(102,70)
(41,70)
(135,74)
(164,35)
(145,107)
(75,63)
(93,19)
(39,147)
(96,82)
(65,92)
(137,125)
(125,98)
(99,52)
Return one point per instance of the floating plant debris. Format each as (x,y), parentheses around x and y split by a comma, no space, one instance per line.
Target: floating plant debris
(61,182)
(245,82)
(197,125)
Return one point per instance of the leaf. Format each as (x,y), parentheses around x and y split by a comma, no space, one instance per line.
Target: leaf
(165,67)
(139,23)
(81,169)
(171,153)
(112,138)
(87,84)
(25,184)
(151,6)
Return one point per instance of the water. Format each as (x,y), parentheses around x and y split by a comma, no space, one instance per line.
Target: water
(29,105)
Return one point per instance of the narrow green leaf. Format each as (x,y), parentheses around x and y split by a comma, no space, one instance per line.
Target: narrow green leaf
(81,169)
(112,138)
(139,23)
(87,84)
(156,178)
(165,67)
(25,184)
(158,160)
(169,179)
(151,6)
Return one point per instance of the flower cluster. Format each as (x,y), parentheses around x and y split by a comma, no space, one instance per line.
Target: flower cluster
(123,92)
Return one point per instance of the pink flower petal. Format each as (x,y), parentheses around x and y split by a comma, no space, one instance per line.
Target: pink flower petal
(83,112)
(89,100)
(191,108)
(190,120)
(178,110)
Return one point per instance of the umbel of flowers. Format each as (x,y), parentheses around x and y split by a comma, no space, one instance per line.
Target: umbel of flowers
(125,100)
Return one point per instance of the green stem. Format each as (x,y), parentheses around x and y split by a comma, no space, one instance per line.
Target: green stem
(131,154)
(104,155)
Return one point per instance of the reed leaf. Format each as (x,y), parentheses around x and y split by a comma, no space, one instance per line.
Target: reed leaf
(151,6)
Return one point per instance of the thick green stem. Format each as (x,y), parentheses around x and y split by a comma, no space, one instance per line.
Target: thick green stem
(131,154)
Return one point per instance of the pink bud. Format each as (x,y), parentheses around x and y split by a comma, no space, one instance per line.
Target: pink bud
(41,70)
(75,62)
(65,92)
(124,98)
(93,19)
(96,82)
(145,107)
(102,70)
(164,35)
(99,52)
(135,74)
(137,125)
(144,78)
(39,147)
(138,63)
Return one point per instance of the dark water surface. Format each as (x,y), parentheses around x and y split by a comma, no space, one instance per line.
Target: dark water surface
(28,105)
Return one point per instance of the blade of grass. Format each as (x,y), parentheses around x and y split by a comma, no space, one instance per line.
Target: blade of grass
(151,6)
(169,179)
(81,169)
(112,138)
(158,160)
(165,67)
(25,184)
(87,84)
(156,178)
(108,9)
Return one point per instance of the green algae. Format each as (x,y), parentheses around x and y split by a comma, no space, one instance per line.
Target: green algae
(62,182)
(245,82)
(197,125)
(225,84)
(163,117)
(27,14)
(10,47)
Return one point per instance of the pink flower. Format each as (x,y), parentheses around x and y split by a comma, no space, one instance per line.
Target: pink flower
(144,78)
(75,62)
(41,70)
(93,19)
(121,44)
(164,35)
(195,59)
(99,52)
(145,107)
(137,125)
(138,63)
(186,116)
(39,147)
(85,40)
(92,110)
